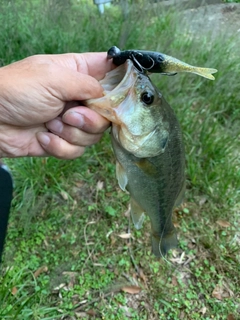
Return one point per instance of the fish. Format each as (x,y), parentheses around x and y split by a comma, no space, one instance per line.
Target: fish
(147,142)
(156,62)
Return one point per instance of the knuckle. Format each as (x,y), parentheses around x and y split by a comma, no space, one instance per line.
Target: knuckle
(70,153)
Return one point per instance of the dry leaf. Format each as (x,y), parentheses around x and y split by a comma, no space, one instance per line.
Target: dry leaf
(142,276)
(112,239)
(203,310)
(64,195)
(191,245)
(99,185)
(202,201)
(81,314)
(229,292)
(62,285)
(125,235)
(223,223)
(72,278)
(79,184)
(74,206)
(178,260)
(40,270)
(217,292)
(127,212)
(44,161)
(14,291)
(230,317)
(174,281)
(176,224)
(71,274)
(45,242)
(131,289)
(91,312)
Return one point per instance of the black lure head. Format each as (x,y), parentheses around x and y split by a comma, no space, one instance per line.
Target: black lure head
(113,52)
(144,61)
(140,60)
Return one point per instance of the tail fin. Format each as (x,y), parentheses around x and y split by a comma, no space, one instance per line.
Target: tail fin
(204,72)
(161,245)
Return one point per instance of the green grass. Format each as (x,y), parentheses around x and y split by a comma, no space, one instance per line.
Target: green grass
(67,215)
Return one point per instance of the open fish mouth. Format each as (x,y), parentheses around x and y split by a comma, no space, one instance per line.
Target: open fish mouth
(118,78)
(116,84)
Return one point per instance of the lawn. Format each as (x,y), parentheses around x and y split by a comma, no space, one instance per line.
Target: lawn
(68,253)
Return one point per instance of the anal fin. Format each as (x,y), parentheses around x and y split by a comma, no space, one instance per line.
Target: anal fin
(121,176)
(137,214)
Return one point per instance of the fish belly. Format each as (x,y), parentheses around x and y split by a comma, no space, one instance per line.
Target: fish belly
(154,185)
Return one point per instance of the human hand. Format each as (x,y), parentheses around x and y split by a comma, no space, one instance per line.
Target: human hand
(39,112)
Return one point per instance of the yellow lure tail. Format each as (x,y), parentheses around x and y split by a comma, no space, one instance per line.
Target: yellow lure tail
(204,72)
(173,65)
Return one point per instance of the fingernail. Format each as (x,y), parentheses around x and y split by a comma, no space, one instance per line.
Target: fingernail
(55,125)
(43,139)
(78,119)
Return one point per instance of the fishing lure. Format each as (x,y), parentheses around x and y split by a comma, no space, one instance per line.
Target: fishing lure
(150,61)
(156,62)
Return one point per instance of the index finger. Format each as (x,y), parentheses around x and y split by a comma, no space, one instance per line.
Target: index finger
(94,64)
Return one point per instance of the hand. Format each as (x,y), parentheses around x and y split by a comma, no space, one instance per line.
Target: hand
(39,112)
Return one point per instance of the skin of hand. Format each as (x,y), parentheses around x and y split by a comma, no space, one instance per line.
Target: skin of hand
(40,112)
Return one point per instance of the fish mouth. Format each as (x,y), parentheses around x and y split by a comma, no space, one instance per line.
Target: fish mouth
(118,78)
(117,85)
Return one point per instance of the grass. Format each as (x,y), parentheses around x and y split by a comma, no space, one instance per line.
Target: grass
(64,258)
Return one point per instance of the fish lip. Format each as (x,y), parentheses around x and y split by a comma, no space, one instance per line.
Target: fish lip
(125,83)
(129,66)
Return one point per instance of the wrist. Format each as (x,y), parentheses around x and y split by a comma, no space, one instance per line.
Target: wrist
(4,142)
(10,141)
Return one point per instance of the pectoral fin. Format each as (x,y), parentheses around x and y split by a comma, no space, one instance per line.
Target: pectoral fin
(147,167)
(137,214)
(121,176)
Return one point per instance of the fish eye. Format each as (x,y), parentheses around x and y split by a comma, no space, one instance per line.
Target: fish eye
(160,58)
(147,98)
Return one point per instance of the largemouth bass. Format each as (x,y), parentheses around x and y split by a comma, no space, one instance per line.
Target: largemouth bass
(147,142)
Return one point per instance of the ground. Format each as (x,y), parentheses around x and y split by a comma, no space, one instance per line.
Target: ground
(220,19)
(71,246)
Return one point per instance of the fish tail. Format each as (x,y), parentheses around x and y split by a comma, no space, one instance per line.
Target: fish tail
(204,72)
(161,245)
